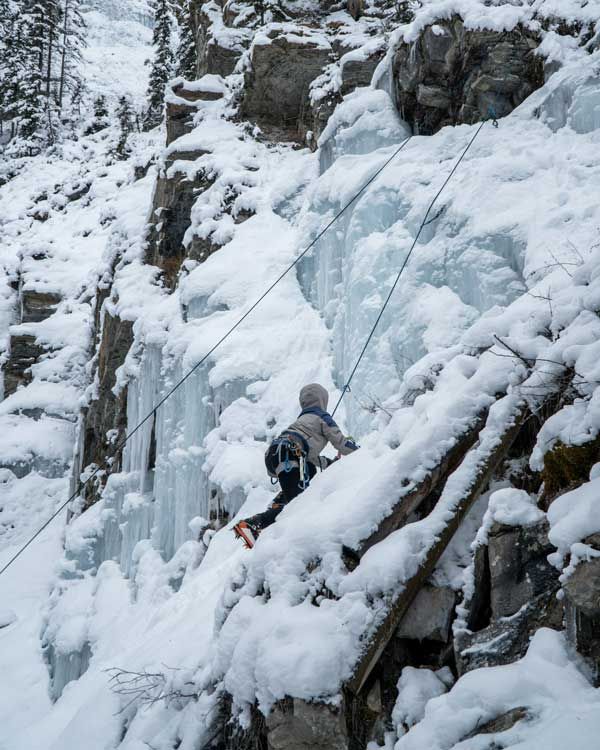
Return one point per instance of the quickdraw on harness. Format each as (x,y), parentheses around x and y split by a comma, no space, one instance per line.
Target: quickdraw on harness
(292,444)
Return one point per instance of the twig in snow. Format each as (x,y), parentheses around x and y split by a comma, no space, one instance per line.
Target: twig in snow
(528,363)
(373,405)
(144,687)
(564,264)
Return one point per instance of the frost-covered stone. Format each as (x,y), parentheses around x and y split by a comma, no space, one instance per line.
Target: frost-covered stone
(306,726)
(24,352)
(429,616)
(37,306)
(218,47)
(182,103)
(519,568)
(507,639)
(501,723)
(582,610)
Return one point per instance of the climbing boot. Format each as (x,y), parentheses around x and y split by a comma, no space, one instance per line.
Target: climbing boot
(247,533)
(278,502)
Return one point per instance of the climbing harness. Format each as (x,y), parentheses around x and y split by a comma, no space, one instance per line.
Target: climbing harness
(346,387)
(291,444)
(152,413)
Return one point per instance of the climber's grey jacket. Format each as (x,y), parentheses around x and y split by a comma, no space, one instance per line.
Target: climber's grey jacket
(316,426)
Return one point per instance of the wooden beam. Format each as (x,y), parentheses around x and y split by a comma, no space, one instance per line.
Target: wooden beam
(485,471)
(411,501)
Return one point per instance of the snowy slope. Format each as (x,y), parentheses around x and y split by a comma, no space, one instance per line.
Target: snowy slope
(117,48)
(52,242)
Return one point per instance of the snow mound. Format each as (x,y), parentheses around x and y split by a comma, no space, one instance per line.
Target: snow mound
(561,707)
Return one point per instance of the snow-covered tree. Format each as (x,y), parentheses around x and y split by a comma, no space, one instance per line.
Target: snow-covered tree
(186,51)
(34,54)
(100,120)
(8,62)
(126,119)
(40,63)
(161,64)
(73,31)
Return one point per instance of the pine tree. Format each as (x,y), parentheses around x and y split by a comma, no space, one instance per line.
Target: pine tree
(73,33)
(162,64)
(7,62)
(34,51)
(125,118)
(100,119)
(186,51)
(40,58)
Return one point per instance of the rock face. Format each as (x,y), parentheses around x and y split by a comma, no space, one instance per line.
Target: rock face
(507,640)
(37,306)
(182,106)
(566,467)
(24,349)
(501,723)
(105,420)
(24,352)
(276,87)
(354,72)
(454,75)
(519,568)
(515,595)
(174,197)
(217,54)
(582,610)
(430,615)
(298,725)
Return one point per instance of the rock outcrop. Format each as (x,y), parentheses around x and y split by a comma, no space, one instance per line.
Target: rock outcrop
(24,349)
(183,100)
(298,725)
(354,69)
(514,595)
(38,306)
(453,75)
(216,52)
(104,421)
(24,352)
(174,196)
(284,63)
(582,610)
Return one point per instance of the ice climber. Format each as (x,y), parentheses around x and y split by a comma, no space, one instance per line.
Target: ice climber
(293,457)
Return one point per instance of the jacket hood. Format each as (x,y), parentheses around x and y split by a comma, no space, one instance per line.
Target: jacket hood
(314,395)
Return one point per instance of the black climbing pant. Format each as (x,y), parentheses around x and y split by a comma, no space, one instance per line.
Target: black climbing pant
(290,488)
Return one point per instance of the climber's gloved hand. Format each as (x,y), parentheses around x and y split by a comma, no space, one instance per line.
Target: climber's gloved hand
(326,462)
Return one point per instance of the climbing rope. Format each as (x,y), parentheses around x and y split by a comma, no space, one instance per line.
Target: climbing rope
(424,223)
(81,486)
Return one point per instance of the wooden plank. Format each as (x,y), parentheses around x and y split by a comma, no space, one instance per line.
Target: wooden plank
(485,471)
(410,502)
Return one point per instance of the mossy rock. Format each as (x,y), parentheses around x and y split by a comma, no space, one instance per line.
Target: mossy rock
(568,466)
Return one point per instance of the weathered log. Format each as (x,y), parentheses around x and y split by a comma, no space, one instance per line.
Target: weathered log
(410,502)
(399,607)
